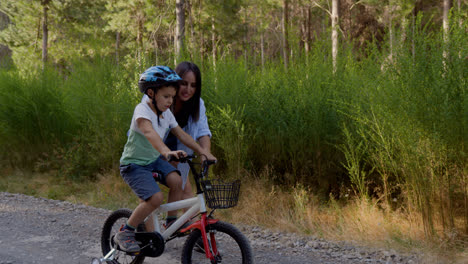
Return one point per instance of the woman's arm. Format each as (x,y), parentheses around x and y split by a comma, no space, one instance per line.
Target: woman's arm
(205,142)
(148,131)
(202,128)
(203,133)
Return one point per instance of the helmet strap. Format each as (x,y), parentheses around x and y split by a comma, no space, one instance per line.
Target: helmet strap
(158,112)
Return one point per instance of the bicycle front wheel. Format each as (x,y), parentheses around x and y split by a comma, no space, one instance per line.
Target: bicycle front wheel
(233,247)
(112,225)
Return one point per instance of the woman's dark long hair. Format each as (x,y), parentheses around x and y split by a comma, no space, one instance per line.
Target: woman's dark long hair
(192,106)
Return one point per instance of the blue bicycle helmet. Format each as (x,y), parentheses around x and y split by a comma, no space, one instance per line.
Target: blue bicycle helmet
(157,76)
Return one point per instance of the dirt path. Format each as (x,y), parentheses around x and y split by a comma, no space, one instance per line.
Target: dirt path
(37,230)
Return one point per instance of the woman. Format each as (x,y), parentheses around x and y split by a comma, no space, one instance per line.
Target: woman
(190,113)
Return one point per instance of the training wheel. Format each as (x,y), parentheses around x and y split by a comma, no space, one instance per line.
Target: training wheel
(96,261)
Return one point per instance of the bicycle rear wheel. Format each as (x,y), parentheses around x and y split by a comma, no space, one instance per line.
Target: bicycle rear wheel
(111,226)
(233,247)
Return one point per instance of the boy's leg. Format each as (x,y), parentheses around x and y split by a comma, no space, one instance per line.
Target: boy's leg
(187,192)
(174,182)
(126,237)
(145,208)
(149,224)
(140,179)
(170,177)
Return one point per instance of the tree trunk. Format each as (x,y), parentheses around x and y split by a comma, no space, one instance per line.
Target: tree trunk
(460,24)
(305,29)
(155,47)
(413,34)
(246,40)
(139,40)
(285,33)
(201,33)
(192,30)
(308,31)
(117,46)
(445,26)
(45,33)
(391,37)
(213,41)
(180,29)
(246,49)
(262,48)
(334,20)
(404,28)
(302,29)
(445,20)
(38,33)
(5,52)
(460,21)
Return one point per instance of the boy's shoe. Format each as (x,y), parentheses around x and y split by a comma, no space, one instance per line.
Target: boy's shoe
(126,241)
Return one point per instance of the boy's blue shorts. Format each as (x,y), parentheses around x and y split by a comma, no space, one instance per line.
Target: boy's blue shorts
(140,178)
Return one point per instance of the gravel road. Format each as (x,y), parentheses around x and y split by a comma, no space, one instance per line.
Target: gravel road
(38,230)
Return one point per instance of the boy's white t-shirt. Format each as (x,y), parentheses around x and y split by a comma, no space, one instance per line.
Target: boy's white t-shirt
(138,149)
(195,129)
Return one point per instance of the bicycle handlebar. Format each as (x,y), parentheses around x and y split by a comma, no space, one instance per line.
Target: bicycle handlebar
(196,175)
(209,162)
(181,159)
(188,158)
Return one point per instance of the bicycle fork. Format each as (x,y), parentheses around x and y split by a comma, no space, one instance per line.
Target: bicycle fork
(211,250)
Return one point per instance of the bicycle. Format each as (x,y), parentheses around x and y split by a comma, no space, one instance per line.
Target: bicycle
(222,242)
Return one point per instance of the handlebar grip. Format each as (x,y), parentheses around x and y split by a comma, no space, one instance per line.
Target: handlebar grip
(172,158)
(188,157)
(182,159)
(210,162)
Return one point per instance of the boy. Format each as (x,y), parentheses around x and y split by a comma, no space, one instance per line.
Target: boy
(142,153)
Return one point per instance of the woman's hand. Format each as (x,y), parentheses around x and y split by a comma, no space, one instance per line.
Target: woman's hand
(207,156)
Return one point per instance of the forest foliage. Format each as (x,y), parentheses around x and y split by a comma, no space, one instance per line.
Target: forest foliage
(388,121)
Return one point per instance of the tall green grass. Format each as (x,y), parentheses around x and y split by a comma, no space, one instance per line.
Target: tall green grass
(394,130)
(72,123)
(290,123)
(32,116)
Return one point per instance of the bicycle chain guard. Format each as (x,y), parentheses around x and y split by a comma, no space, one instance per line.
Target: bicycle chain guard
(151,243)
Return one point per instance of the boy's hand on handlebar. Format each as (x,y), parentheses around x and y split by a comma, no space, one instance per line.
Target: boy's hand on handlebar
(174,155)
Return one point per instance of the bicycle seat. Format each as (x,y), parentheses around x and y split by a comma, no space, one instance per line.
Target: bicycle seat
(156,175)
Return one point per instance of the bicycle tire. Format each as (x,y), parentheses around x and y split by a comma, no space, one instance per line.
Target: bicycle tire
(233,246)
(111,226)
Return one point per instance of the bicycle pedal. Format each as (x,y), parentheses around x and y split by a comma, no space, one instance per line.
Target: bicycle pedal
(151,243)
(126,252)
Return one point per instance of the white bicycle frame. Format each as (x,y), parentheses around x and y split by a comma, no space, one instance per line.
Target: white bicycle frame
(196,204)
